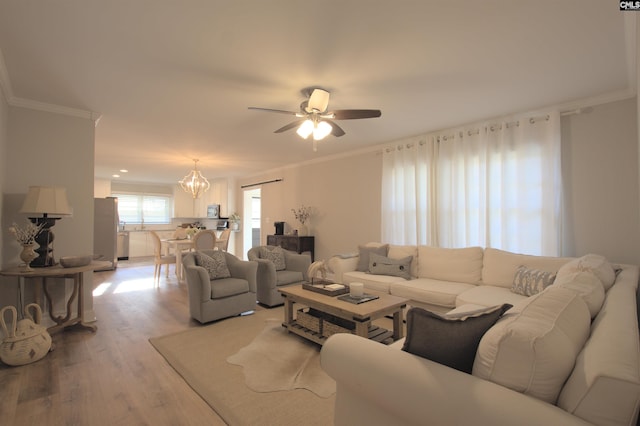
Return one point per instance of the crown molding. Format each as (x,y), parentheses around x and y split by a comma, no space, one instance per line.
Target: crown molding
(57,109)
(6,89)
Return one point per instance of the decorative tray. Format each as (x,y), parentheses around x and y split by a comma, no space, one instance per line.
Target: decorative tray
(357,300)
(325,287)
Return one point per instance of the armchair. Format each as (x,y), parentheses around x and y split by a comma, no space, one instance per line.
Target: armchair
(212,299)
(270,278)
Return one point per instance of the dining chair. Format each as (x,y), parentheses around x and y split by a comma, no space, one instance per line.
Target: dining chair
(205,240)
(223,240)
(159,258)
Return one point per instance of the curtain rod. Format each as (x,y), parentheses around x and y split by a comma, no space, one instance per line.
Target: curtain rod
(260,183)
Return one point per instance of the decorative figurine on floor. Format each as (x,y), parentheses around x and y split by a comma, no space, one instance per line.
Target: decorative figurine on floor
(26,341)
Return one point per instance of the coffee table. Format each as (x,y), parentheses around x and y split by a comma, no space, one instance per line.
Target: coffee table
(360,314)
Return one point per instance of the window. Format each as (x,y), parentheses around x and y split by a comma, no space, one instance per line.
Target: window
(144,208)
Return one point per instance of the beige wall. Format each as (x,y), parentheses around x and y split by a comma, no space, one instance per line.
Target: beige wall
(600,173)
(46,148)
(345,193)
(600,162)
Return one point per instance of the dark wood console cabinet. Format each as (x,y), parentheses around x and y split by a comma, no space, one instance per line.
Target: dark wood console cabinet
(293,243)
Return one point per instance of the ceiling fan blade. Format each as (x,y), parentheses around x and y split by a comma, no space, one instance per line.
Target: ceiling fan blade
(335,129)
(318,101)
(354,114)
(279,111)
(289,126)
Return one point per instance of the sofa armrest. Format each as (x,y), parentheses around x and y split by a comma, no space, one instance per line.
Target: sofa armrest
(297,262)
(339,265)
(380,385)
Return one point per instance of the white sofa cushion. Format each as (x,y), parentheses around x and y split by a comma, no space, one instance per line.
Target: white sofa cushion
(500,266)
(400,252)
(433,292)
(488,295)
(534,349)
(594,263)
(462,265)
(587,285)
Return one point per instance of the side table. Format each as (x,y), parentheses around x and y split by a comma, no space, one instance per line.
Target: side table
(76,274)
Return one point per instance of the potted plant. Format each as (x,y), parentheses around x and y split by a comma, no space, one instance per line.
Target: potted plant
(234,220)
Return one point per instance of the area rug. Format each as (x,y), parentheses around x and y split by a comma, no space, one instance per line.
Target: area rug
(199,355)
(276,361)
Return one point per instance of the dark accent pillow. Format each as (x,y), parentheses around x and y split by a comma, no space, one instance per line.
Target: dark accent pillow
(216,264)
(365,251)
(528,282)
(275,255)
(449,341)
(382,265)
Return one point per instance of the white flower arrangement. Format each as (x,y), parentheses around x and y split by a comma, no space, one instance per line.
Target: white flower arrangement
(27,234)
(302,214)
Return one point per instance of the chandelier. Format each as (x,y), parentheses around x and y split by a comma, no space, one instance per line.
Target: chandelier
(194,183)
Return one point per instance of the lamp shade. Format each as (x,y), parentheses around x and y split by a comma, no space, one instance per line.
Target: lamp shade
(49,200)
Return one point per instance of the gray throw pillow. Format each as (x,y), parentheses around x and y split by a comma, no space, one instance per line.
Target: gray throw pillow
(365,251)
(275,255)
(528,282)
(449,341)
(215,264)
(382,265)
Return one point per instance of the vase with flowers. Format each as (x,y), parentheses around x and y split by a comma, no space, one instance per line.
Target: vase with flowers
(235,221)
(27,237)
(302,215)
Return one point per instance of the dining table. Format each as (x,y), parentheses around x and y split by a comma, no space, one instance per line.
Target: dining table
(178,247)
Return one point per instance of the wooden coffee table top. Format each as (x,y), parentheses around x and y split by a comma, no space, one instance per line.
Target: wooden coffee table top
(373,308)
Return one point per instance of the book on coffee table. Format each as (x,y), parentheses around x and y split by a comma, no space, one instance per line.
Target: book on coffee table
(357,300)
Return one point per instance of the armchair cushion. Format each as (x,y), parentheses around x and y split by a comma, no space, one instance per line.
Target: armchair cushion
(276,255)
(215,264)
(288,277)
(226,287)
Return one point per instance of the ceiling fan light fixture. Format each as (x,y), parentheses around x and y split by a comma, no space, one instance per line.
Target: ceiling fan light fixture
(321,130)
(305,129)
(194,183)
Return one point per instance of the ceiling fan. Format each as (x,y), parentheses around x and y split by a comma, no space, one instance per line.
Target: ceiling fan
(315,120)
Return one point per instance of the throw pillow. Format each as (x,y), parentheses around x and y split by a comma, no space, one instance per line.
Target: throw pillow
(528,282)
(587,285)
(594,263)
(449,341)
(215,264)
(275,255)
(365,251)
(382,265)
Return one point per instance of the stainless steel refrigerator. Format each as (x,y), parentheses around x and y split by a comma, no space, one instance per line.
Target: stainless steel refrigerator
(105,230)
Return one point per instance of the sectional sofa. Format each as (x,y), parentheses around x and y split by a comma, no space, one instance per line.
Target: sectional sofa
(565,353)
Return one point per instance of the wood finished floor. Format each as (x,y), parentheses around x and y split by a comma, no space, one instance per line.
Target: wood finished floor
(115,376)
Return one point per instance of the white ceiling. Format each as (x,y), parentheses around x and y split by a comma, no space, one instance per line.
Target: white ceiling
(172,80)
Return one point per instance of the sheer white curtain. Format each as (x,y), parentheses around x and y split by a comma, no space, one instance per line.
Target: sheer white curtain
(494,184)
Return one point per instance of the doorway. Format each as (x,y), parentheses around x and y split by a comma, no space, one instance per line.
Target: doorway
(251,219)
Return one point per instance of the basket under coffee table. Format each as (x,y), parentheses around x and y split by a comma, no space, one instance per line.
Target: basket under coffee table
(327,315)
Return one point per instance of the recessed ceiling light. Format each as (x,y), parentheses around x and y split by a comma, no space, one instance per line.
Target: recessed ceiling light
(115,176)
(124,171)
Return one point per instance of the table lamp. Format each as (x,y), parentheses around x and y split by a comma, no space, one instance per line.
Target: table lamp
(45,200)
